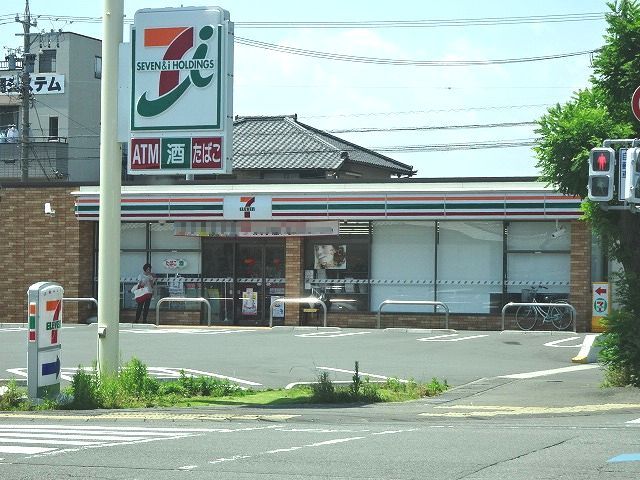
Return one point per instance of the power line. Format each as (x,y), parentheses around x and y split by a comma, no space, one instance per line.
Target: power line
(436,127)
(441,110)
(401,62)
(424,23)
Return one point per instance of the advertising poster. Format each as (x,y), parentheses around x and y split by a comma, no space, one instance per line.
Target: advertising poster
(249,302)
(330,257)
(278,310)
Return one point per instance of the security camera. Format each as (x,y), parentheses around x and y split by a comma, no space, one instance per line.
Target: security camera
(50,212)
(558,233)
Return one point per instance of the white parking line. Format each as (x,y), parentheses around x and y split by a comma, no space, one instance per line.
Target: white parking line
(544,373)
(330,334)
(184,331)
(363,374)
(445,338)
(158,372)
(556,342)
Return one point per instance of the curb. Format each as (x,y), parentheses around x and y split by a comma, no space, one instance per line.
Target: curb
(588,352)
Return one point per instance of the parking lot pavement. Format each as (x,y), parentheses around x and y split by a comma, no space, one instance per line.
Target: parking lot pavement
(274,358)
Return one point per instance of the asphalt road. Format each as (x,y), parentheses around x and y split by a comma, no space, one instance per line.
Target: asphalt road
(519,410)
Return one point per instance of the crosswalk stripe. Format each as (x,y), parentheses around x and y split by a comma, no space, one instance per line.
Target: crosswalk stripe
(24,450)
(56,439)
(46,441)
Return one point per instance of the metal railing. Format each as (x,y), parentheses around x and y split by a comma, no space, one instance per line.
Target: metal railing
(81,299)
(570,307)
(84,299)
(183,299)
(313,300)
(416,302)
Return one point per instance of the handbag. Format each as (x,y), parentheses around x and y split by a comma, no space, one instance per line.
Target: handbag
(141,293)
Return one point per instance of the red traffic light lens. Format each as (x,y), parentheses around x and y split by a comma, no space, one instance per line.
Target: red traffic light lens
(600,162)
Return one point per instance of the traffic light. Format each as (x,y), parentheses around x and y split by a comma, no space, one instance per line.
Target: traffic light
(601,174)
(632,178)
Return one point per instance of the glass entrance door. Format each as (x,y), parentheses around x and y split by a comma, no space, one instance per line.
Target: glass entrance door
(249,285)
(242,278)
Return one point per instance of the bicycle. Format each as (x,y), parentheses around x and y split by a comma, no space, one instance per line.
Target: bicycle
(527,316)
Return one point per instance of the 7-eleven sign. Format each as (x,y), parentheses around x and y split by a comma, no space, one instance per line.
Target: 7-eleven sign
(600,304)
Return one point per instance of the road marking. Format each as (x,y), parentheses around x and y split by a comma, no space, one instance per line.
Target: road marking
(637,420)
(443,338)
(330,334)
(363,374)
(556,342)
(334,441)
(462,411)
(21,439)
(150,415)
(555,371)
(223,377)
(24,450)
(67,374)
(186,331)
(625,457)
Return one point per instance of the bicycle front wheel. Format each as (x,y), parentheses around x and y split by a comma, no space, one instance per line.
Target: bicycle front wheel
(560,317)
(526,317)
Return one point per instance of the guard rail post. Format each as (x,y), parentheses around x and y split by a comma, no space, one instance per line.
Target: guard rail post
(183,299)
(415,302)
(81,299)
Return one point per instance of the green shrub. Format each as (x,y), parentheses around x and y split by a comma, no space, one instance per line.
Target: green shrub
(14,398)
(323,390)
(134,380)
(621,349)
(84,390)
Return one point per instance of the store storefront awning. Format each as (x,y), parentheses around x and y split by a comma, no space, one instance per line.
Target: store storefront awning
(299,202)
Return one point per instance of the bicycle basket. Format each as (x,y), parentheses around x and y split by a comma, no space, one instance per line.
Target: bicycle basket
(527,295)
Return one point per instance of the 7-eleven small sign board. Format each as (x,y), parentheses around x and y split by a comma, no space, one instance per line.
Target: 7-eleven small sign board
(601,304)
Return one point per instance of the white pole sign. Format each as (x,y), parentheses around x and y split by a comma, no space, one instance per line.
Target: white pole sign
(181,118)
(44,300)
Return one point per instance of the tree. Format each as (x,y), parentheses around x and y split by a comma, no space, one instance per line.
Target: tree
(568,132)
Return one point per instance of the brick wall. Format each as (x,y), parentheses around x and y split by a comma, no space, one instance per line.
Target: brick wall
(580,289)
(294,277)
(35,247)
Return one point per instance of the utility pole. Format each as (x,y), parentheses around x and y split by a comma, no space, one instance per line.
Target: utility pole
(27,64)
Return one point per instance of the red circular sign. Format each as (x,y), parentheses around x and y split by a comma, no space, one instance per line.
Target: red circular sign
(635,103)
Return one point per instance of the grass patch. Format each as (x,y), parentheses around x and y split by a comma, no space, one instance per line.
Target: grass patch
(134,388)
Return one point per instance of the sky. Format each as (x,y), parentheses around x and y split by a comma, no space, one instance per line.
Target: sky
(344,95)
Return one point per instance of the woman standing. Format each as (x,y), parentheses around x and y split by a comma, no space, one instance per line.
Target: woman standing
(146,280)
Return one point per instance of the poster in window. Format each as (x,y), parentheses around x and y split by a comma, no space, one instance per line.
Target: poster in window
(330,257)
(249,302)
(278,310)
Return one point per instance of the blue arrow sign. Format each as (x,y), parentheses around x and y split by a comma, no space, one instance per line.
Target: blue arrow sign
(51,368)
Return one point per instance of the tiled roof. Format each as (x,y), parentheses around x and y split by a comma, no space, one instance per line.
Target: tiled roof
(283,143)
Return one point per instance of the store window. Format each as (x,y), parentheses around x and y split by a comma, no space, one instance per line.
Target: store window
(402,263)
(337,268)
(176,263)
(470,266)
(538,257)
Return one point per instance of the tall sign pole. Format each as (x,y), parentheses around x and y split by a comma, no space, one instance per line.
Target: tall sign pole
(110,185)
